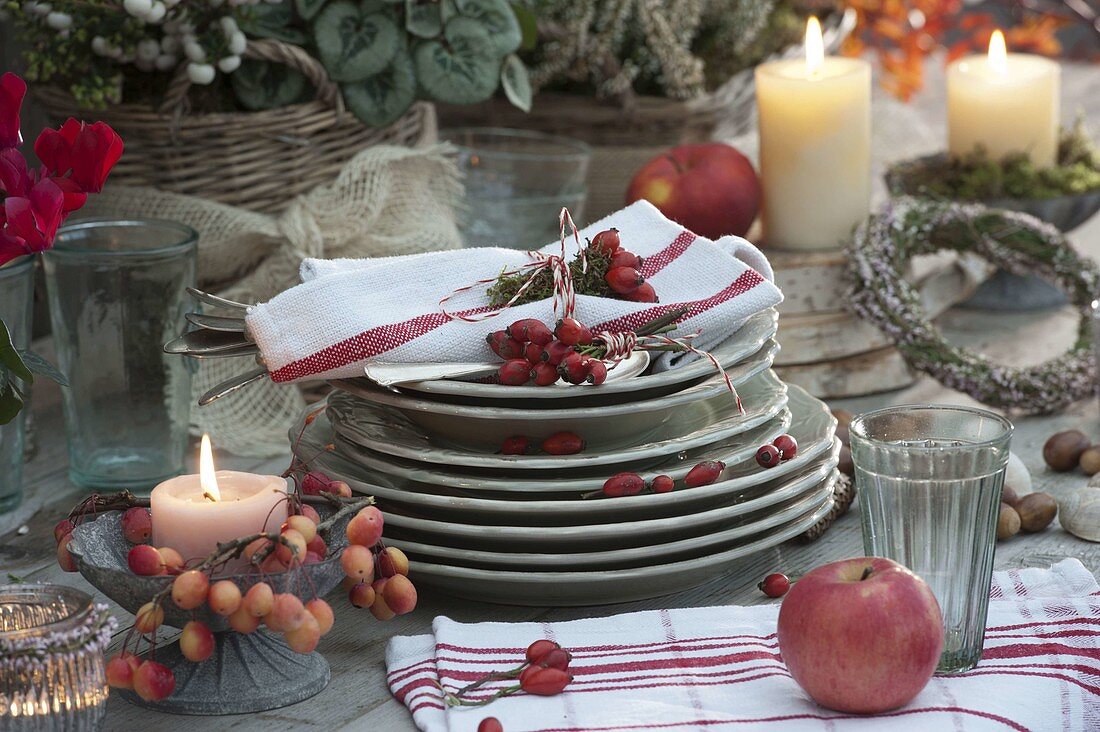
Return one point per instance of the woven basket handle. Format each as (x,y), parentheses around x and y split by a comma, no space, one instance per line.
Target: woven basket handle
(265,50)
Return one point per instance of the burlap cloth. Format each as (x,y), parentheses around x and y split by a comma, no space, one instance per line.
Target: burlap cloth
(386,201)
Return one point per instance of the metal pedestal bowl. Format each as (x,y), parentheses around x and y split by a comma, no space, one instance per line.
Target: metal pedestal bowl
(246,673)
(1004,290)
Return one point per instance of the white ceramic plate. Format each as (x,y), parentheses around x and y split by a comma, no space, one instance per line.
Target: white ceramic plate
(623,558)
(746,341)
(484,428)
(556,589)
(689,426)
(584,537)
(811,425)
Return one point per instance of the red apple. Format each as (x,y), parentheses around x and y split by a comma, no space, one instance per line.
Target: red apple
(710,188)
(861,635)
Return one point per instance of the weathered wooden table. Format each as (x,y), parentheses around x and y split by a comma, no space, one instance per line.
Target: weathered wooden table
(358,698)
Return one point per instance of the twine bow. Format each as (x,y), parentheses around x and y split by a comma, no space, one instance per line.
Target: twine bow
(565,297)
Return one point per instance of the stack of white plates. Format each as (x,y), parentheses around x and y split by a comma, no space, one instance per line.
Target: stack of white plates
(518,529)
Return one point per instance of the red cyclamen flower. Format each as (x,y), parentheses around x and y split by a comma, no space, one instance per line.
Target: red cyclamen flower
(30,222)
(12,90)
(89,151)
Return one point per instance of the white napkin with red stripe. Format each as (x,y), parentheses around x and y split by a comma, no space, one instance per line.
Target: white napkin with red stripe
(349,311)
(718,668)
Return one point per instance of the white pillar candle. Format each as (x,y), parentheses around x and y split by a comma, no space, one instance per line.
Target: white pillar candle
(194,513)
(815,146)
(1005,102)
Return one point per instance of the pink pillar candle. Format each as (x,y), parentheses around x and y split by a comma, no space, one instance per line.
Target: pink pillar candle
(187,520)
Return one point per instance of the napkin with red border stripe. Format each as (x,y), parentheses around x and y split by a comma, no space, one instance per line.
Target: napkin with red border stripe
(347,312)
(719,668)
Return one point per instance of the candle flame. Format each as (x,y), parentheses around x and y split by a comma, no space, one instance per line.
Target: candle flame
(815,46)
(207,478)
(998,54)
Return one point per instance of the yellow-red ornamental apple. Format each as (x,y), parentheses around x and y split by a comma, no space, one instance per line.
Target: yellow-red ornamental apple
(861,635)
(709,188)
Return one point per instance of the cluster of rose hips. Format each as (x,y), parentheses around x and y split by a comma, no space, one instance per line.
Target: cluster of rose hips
(624,275)
(534,354)
(544,672)
(631,484)
(780,450)
(559,443)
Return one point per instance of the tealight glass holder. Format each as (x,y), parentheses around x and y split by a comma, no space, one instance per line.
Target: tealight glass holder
(16,288)
(117,293)
(52,666)
(928,479)
(516,182)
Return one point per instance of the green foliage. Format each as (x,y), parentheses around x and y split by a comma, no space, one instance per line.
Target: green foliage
(264,85)
(590,282)
(380,99)
(352,44)
(516,83)
(19,366)
(977,177)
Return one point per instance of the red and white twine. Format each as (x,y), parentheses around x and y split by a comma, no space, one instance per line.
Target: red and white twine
(618,346)
(565,296)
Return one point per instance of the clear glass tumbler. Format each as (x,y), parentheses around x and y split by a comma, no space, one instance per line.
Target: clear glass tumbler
(516,183)
(16,289)
(117,294)
(929,479)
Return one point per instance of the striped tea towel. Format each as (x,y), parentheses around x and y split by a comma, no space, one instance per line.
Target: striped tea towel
(349,311)
(718,668)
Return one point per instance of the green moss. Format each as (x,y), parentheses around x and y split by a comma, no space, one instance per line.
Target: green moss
(584,283)
(977,177)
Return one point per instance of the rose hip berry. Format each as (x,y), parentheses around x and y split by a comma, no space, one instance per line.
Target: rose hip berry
(623,258)
(573,333)
(518,445)
(538,649)
(623,484)
(558,658)
(504,345)
(533,353)
(545,374)
(573,368)
(786,445)
(775,585)
(606,242)
(644,293)
(704,473)
(554,351)
(596,371)
(662,484)
(768,456)
(624,280)
(563,443)
(515,372)
(544,681)
(490,724)
(530,330)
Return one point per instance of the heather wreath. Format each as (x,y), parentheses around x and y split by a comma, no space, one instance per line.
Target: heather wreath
(880,252)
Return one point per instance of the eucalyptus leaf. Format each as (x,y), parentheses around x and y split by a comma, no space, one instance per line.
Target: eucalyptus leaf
(42,367)
(10,403)
(267,20)
(353,45)
(516,82)
(499,20)
(309,8)
(9,357)
(423,19)
(528,26)
(463,70)
(266,85)
(383,98)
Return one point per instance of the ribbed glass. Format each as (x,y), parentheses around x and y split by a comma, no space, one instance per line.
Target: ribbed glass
(117,292)
(16,288)
(58,691)
(929,479)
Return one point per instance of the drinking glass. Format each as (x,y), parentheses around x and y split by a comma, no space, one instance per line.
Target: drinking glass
(16,288)
(929,479)
(516,183)
(117,294)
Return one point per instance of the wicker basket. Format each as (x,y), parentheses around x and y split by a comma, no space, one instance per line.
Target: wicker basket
(625,138)
(255,160)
